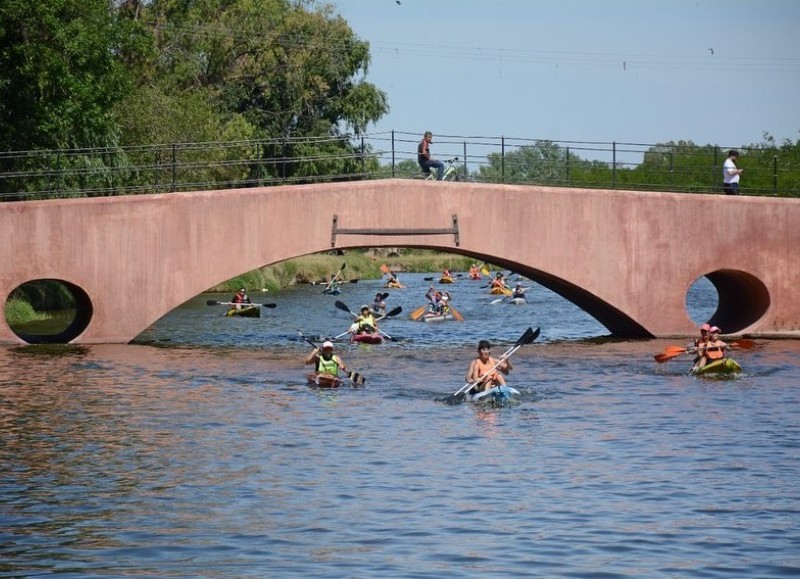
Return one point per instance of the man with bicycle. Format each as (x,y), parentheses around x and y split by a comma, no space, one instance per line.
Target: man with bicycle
(426,162)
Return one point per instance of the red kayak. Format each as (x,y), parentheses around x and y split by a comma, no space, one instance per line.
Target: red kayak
(374,338)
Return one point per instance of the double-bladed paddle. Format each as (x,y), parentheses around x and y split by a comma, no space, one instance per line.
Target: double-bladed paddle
(526,338)
(671,352)
(356,378)
(216,303)
(343,306)
(334,278)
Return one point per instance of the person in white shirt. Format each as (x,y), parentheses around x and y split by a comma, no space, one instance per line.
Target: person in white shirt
(730,173)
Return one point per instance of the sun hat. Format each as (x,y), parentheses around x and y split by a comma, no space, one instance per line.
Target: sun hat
(705,327)
(327,344)
(713,330)
(364,307)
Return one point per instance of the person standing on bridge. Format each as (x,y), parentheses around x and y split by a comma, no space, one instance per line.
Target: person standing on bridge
(731,173)
(426,162)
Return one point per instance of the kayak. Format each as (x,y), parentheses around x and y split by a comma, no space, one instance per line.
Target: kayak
(496,396)
(518,301)
(498,291)
(246,312)
(446,279)
(392,285)
(721,366)
(434,317)
(374,338)
(324,380)
(332,291)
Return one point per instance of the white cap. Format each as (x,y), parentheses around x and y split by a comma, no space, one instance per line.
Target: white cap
(327,344)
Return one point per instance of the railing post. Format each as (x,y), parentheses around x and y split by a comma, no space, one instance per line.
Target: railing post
(502,159)
(363,163)
(613,164)
(394,172)
(566,162)
(174,168)
(671,168)
(775,175)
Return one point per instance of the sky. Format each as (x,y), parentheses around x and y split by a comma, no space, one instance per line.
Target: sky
(637,71)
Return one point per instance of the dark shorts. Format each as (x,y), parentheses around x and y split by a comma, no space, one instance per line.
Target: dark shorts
(731,188)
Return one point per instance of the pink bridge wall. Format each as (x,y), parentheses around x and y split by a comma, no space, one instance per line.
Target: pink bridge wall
(627,258)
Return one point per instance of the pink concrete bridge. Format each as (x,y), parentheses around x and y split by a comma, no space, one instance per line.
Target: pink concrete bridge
(627,258)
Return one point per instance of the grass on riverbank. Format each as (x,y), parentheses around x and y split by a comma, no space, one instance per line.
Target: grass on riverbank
(21,312)
(359,265)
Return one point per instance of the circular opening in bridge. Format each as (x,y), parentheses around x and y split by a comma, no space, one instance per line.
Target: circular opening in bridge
(702,300)
(48,311)
(731,299)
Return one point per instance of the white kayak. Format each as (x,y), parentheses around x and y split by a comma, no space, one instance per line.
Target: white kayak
(495,395)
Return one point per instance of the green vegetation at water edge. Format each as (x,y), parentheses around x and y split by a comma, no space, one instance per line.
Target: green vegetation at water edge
(359,265)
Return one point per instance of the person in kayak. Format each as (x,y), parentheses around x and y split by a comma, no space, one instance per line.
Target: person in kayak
(474,272)
(379,304)
(698,344)
(365,323)
(519,291)
(482,369)
(435,297)
(499,281)
(240,299)
(713,349)
(326,363)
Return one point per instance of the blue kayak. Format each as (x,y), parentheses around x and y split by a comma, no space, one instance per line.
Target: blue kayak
(497,395)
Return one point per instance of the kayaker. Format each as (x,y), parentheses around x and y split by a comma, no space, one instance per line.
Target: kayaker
(499,281)
(482,369)
(379,305)
(519,291)
(699,343)
(435,297)
(712,350)
(444,304)
(240,298)
(474,272)
(326,363)
(333,283)
(365,323)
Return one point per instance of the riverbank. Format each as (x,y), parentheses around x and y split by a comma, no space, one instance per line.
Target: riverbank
(358,264)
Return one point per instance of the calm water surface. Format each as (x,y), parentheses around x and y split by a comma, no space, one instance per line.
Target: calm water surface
(200,452)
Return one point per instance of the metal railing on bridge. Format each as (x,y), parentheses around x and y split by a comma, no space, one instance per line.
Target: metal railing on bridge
(681,167)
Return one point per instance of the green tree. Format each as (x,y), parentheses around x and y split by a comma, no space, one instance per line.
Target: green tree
(60,75)
(290,71)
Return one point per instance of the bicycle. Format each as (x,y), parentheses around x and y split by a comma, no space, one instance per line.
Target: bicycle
(450,172)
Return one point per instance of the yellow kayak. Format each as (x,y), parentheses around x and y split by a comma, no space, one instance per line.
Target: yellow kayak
(500,291)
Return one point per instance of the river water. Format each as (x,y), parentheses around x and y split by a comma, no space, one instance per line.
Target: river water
(198,451)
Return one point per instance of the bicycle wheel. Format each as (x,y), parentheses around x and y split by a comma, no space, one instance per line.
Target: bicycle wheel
(452,176)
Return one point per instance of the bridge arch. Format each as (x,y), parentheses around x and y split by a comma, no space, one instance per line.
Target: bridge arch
(625,257)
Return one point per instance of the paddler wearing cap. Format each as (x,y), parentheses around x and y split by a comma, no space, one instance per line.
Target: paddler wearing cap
(326,364)
(713,349)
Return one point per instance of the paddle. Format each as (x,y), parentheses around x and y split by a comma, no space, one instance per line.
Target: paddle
(526,338)
(216,303)
(338,273)
(391,313)
(456,314)
(671,352)
(356,378)
(343,306)
(418,313)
